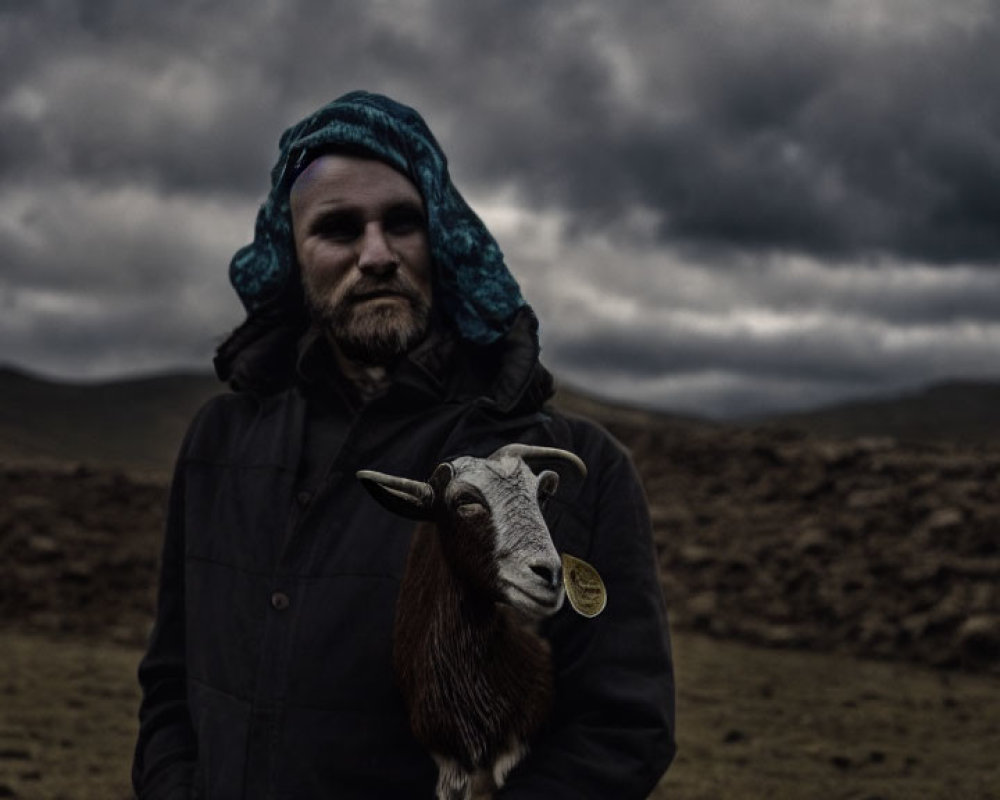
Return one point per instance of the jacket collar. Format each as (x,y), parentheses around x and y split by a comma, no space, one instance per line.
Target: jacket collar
(505,376)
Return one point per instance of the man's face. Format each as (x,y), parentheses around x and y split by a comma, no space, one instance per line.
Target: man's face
(361,240)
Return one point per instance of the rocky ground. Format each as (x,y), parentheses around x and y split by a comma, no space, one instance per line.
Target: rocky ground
(862,548)
(753,724)
(866,546)
(78,552)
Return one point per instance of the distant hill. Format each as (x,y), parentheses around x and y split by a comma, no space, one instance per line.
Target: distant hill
(622,416)
(875,546)
(964,412)
(136,423)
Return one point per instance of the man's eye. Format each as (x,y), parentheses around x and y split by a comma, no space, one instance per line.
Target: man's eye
(403,222)
(338,228)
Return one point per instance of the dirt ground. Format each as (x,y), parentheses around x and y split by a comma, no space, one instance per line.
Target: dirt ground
(752,722)
(760,724)
(68,718)
(789,565)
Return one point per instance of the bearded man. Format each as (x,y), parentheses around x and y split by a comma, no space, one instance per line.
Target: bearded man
(383,332)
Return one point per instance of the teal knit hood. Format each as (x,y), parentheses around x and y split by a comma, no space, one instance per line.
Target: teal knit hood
(472,286)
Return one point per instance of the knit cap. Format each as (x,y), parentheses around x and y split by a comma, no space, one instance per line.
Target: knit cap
(472,285)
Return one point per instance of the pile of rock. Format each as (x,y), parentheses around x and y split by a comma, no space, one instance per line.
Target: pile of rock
(879,548)
(872,546)
(78,551)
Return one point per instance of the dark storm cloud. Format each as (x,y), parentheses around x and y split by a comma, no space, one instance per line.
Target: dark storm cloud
(66,339)
(126,92)
(777,335)
(796,128)
(826,354)
(658,174)
(194,96)
(781,131)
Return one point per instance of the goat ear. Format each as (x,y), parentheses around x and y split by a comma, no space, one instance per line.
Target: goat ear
(410,499)
(569,466)
(441,477)
(548,482)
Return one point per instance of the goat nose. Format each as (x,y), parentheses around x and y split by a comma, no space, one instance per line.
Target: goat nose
(551,576)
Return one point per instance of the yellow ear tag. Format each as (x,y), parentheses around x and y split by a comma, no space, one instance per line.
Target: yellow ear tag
(584,586)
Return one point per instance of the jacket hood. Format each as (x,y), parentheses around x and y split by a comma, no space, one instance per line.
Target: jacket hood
(505,378)
(472,285)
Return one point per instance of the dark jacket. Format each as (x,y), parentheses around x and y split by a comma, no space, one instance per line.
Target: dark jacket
(269,673)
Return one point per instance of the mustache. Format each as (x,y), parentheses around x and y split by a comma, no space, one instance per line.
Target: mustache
(367,287)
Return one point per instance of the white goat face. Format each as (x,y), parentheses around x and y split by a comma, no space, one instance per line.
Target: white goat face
(506,496)
(490,511)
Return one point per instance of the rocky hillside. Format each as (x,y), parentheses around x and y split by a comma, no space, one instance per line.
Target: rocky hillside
(78,551)
(958,411)
(136,424)
(864,546)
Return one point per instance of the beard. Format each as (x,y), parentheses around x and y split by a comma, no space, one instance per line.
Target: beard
(373,333)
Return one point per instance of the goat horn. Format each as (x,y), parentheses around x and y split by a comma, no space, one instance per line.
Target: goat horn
(531,452)
(398,485)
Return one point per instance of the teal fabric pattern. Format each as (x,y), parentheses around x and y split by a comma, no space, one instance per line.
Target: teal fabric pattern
(471,281)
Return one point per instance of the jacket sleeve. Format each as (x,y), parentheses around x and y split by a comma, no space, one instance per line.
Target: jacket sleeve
(166,750)
(612,727)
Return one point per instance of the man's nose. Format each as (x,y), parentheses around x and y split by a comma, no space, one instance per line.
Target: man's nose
(376,256)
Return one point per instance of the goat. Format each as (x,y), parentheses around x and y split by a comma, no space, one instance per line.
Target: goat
(482,570)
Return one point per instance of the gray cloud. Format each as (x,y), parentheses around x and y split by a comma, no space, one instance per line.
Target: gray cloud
(844,354)
(796,128)
(783,131)
(720,205)
(777,333)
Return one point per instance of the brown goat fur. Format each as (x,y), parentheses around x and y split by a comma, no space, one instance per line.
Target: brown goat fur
(472,675)
(482,570)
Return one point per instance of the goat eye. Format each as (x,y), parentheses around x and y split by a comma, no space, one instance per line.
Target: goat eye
(470,509)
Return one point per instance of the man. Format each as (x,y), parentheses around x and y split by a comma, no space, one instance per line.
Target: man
(383,332)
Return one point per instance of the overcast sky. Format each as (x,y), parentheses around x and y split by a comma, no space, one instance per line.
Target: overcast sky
(720,206)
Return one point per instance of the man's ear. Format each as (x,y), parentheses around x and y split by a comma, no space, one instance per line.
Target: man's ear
(411,499)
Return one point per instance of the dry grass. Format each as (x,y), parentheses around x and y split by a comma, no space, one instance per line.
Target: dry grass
(753,723)
(68,718)
(777,724)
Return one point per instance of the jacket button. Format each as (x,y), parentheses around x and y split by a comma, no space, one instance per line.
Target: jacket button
(303,498)
(280,601)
